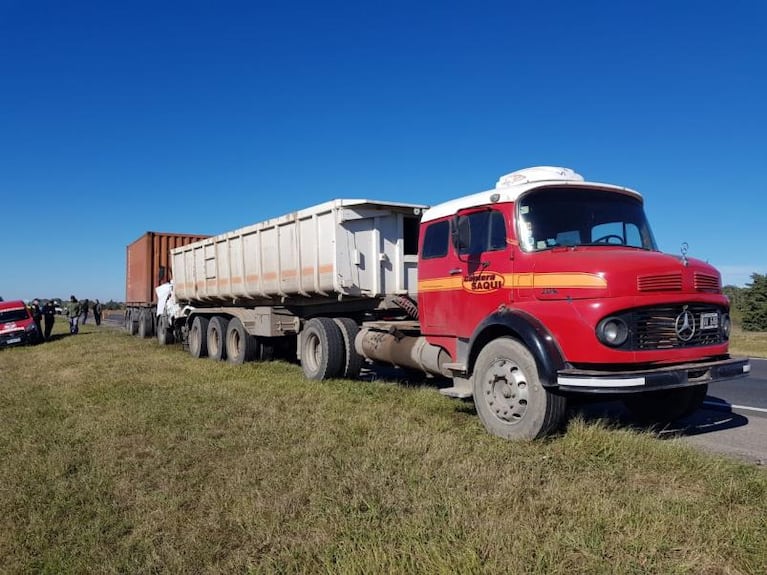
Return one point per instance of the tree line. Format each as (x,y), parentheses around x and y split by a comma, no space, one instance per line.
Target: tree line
(750,302)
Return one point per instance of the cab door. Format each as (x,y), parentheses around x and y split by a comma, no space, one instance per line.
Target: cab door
(469,276)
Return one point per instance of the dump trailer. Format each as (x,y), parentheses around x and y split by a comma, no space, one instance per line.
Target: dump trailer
(147,266)
(542,288)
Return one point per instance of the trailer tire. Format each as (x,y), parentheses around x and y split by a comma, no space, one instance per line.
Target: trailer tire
(659,408)
(164,331)
(509,398)
(217,337)
(240,345)
(198,337)
(322,349)
(352,360)
(145,324)
(131,326)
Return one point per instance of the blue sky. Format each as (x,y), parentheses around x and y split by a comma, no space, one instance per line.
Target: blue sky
(201,117)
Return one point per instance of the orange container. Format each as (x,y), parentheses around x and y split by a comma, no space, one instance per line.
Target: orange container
(148,264)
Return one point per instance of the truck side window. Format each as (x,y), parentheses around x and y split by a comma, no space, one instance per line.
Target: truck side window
(435,240)
(487,232)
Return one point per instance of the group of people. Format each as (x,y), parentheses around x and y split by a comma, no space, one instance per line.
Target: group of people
(44,316)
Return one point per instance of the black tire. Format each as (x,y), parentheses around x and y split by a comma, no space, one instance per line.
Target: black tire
(198,337)
(240,345)
(697,397)
(352,360)
(508,395)
(322,349)
(164,331)
(131,323)
(145,324)
(666,405)
(217,337)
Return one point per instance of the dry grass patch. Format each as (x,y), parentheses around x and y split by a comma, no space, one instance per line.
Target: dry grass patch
(122,456)
(748,343)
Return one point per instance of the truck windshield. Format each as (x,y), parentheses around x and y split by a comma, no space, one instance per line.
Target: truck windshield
(551,217)
(9,315)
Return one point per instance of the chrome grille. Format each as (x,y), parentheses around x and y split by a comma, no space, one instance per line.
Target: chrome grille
(655,327)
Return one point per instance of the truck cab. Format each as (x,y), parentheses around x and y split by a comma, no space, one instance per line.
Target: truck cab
(567,276)
(16,324)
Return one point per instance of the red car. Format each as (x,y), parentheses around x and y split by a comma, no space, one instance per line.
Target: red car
(16,324)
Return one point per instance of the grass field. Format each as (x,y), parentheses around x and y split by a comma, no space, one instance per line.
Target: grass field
(119,456)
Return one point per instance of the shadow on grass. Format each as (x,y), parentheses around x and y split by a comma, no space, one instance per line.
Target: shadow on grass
(703,421)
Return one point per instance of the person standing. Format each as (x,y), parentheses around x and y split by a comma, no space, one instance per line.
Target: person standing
(73,309)
(84,309)
(97,312)
(49,316)
(37,316)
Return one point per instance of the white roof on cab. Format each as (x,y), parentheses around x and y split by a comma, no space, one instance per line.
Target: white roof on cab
(510,186)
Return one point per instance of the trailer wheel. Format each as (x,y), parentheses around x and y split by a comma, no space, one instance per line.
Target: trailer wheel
(198,337)
(217,338)
(322,349)
(131,326)
(145,324)
(509,398)
(352,360)
(240,345)
(666,405)
(164,331)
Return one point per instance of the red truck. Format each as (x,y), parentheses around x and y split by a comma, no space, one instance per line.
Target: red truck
(16,324)
(544,288)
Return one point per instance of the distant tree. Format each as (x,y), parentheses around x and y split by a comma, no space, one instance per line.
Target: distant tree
(735,295)
(754,304)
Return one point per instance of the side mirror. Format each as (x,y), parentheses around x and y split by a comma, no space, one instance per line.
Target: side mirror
(461,234)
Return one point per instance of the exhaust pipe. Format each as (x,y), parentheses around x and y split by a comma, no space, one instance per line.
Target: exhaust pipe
(395,348)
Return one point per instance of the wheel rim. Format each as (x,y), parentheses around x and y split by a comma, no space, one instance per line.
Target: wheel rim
(213,343)
(313,351)
(234,343)
(194,338)
(505,390)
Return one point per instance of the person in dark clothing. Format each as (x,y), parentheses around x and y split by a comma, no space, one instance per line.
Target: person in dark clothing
(37,316)
(49,316)
(97,312)
(84,309)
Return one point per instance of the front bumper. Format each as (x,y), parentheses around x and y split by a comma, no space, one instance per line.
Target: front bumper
(667,377)
(18,337)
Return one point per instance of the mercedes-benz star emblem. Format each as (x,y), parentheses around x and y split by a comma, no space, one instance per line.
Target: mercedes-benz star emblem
(685,325)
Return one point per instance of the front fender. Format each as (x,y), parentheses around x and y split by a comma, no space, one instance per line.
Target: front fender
(530,331)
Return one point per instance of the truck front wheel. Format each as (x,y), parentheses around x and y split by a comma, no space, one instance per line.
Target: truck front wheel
(322,349)
(508,395)
(164,331)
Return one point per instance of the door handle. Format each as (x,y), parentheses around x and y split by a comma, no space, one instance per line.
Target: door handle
(455,271)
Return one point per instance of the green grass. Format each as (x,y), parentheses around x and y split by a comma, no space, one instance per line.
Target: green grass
(119,456)
(750,343)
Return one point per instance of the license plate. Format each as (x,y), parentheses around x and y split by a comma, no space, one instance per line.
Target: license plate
(709,320)
(13,340)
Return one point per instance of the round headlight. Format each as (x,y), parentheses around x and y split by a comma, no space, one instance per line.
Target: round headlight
(613,331)
(726,326)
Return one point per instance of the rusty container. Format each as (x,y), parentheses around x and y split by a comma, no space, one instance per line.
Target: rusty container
(148,264)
